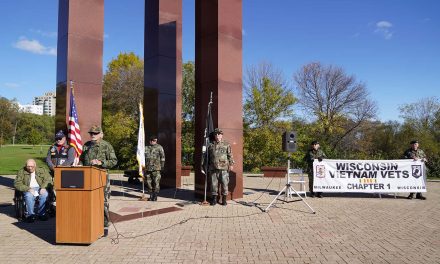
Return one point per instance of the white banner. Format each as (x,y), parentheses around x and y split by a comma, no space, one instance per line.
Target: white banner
(369,176)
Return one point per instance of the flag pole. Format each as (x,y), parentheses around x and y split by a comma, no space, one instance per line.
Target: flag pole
(140,152)
(208,130)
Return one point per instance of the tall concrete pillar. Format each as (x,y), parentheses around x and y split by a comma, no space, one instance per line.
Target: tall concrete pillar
(163,82)
(219,70)
(79,58)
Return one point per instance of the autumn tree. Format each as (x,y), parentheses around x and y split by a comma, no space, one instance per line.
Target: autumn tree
(188,101)
(8,115)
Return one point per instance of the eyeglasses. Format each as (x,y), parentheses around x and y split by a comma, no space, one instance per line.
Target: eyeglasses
(94,133)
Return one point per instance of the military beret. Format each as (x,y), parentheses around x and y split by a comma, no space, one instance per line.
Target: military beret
(413,142)
(217,131)
(153,137)
(95,129)
(314,142)
(60,134)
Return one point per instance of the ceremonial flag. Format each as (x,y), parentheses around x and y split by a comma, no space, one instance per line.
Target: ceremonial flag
(207,138)
(74,133)
(140,153)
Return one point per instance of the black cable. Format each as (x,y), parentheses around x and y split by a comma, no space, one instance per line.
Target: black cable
(115,240)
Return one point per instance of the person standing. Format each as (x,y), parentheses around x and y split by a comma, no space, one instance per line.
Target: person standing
(220,163)
(313,153)
(100,153)
(154,163)
(59,154)
(33,182)
(416,154)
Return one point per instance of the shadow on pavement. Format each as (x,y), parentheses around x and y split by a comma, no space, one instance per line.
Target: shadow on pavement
(8,182)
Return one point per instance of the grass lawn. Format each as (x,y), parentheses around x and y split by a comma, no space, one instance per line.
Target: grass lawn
(12,158)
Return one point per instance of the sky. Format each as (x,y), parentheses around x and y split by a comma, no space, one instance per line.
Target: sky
(390,45)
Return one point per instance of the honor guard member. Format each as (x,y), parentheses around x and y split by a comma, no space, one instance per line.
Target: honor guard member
(313,153)
(416,154)
(154,163)
(221,162)
(98,152)
(33,182)
(59,154)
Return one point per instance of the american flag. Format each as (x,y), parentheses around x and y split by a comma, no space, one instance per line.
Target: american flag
(74,131)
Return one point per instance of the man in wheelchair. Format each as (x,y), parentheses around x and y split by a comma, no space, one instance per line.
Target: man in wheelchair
(34,182)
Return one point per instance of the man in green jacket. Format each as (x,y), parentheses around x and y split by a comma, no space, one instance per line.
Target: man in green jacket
(100,153)
(34,182)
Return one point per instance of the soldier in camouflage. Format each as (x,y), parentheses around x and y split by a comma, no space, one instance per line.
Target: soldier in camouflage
(416,154)
(220,163)
(59,154)
(98,152)
(314,153)
(154,163)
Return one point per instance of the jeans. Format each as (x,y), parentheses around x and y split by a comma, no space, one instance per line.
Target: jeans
(30,202)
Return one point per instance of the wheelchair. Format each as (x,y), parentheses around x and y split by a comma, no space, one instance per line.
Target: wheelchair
(20,204)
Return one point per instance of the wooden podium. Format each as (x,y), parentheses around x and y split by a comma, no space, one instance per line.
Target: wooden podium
(80,204)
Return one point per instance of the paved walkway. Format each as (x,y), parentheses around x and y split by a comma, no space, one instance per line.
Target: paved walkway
(345,229)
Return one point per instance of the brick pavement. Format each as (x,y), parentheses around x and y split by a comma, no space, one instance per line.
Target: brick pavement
(345,229)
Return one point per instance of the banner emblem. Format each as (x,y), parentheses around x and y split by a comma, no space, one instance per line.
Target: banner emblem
(416,171)
(320,171)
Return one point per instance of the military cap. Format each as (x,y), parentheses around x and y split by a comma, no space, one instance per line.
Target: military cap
(413,142)
(60,134)
(217,131)
(314,142)
(153,137)
(95,129)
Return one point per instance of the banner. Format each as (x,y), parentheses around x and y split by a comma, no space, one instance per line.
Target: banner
(369,176)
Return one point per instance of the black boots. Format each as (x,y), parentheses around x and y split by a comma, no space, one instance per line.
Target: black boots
(153,197)
(420,196)
(410,196)
(224,200)
(213,200)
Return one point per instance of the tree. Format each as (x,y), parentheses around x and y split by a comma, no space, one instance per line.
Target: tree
(421,114)
(123,89)
(267,107)
(8,115)
(188,101)
(338,102)
(35,129)
(123,86)
(267,100)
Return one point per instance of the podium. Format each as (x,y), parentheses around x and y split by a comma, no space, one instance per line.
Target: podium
(80,204)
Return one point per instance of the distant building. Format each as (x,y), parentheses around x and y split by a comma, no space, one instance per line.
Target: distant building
(47,101)
(30,108)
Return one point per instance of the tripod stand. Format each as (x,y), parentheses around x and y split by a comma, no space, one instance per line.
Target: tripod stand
(288,189)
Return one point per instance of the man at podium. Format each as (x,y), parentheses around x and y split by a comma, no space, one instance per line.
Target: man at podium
(100,153)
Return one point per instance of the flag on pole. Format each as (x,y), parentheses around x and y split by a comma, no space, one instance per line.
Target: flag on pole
(140,153)
(209,128)
(74,133)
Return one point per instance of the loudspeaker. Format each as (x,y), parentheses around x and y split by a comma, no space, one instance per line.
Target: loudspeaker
(289,141)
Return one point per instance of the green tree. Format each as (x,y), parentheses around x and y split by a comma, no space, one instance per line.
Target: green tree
(123,86)
(188,98)
(8,115)
(268,104)
(35,129)
(123,89)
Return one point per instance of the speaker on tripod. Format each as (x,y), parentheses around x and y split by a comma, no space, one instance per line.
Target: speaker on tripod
(289,141)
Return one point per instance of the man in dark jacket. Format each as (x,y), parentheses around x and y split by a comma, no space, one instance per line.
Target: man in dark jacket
(33,182)
(415,153)
(60,154)
(314,153)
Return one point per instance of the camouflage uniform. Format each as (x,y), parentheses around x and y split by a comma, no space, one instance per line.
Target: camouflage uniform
(415,154)
(310,157)
(104,152)
(220,158)
(154,163)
